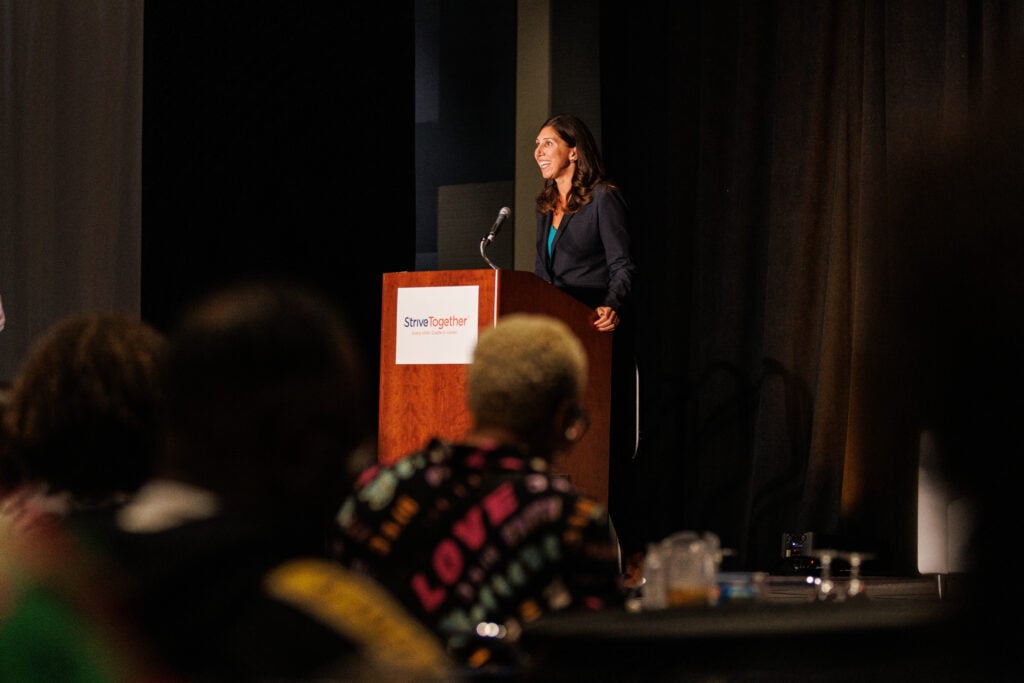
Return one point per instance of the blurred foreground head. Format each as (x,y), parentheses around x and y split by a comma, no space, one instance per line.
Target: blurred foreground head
(81,415)
(265,398)
(526,382)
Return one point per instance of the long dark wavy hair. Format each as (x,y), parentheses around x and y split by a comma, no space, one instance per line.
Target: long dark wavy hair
(589,165)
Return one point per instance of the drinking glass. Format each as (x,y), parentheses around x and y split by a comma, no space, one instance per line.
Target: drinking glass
(691,569)
(856,589)
(827,589)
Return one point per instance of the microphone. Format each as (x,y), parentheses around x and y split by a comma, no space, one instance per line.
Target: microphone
(502,215)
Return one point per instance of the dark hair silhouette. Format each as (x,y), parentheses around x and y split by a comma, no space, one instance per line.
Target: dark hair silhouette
(82,412)
(265,397)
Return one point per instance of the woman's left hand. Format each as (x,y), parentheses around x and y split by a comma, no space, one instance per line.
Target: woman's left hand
(607,319)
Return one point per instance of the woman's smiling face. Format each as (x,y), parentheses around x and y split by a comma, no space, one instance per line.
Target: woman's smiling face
(554,156)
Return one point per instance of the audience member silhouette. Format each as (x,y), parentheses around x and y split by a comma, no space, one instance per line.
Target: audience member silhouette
(480,537)
(81,416)
(954,346)
(78,438)
(224,550)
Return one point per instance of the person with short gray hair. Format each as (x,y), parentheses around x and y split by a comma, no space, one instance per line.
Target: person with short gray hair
(481,537)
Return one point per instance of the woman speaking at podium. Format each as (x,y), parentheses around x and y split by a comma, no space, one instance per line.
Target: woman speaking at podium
(583,248)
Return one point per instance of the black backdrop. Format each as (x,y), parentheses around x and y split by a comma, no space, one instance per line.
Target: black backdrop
(277,141)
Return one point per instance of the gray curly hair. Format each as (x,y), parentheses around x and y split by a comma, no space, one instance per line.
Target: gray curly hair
(523,369)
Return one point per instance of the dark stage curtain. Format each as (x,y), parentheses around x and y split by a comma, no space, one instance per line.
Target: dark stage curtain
(70,164)
(758,142)
(278,143)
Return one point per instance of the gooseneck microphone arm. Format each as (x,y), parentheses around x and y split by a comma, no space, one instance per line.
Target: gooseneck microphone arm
(503,214)
(483,252)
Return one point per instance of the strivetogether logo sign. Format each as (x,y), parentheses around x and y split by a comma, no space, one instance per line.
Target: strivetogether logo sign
(436,325)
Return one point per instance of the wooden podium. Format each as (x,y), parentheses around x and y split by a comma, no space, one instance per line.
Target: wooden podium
(426,398)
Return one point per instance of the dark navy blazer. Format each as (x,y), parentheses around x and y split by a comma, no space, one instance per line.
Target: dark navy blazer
(590,256)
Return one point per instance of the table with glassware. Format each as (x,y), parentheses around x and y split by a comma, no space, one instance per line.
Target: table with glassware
(738,626)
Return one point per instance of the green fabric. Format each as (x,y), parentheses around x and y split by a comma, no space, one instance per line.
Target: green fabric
(44,640)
